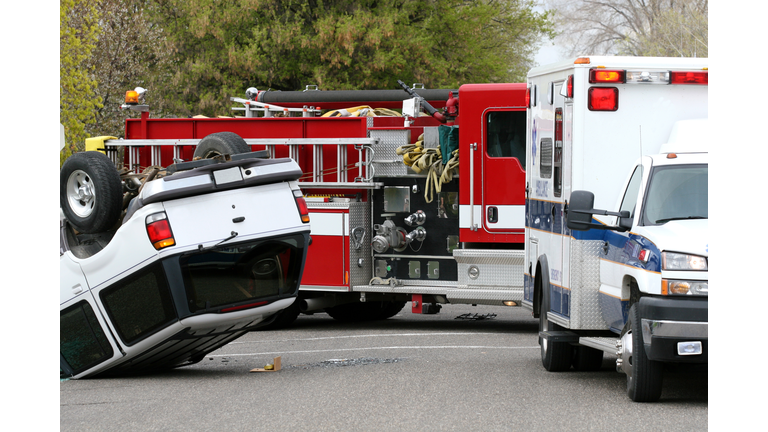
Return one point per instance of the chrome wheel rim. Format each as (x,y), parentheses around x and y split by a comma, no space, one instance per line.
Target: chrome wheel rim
(81,193)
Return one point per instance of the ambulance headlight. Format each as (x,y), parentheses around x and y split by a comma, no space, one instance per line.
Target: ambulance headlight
(678,261)
(684,287)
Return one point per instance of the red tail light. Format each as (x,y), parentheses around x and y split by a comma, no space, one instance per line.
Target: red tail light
(690,78)
(159,231)
(301,203)
(603,98)
(597,76)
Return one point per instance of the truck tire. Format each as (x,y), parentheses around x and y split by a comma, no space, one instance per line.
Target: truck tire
(388,309)
(221,143)
(644,376)
(555,356)
(285,318)
(368,311)
(91,193)
(587,358)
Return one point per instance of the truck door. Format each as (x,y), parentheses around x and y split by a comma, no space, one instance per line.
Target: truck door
(85,339)
(561,184)
(503,169)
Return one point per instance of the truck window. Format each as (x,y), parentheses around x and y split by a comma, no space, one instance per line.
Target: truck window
(82,340)
(677,192)
(253,271)
(545,158)
(140,305)
(630,196)
(505,135)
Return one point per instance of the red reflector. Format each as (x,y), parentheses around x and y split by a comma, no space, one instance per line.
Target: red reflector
(247,306)
(160,234)
(603,99)
(528,97)
(606,76)
(689,78)
(569,86)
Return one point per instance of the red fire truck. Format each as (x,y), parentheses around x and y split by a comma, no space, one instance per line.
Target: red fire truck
(395,218)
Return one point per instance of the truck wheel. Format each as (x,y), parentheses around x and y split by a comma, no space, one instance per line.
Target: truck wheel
(285,318)
(91,194)
(644,376)
(388,309)
(555,356)
(220,143)
(368,311)
(587,358)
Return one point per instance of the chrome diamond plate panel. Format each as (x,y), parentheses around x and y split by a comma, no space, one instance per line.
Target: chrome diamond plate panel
(360,255)
(585,282)
(493,271)
(386,162)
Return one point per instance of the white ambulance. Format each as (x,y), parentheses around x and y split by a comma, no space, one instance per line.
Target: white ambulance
(616,215)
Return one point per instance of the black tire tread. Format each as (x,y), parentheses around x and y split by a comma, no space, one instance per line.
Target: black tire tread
(108,191)
(646,382)
(221,143)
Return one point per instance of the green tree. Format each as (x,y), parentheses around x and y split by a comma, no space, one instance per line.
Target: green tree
(222,47)
(78,33)
(131,51)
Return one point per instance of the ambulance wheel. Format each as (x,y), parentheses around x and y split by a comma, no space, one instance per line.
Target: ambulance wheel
(220,143)
(91,194)
(644,376)
(555,356)
(587,359)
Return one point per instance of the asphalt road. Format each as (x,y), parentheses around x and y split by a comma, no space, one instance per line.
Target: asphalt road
(408,373)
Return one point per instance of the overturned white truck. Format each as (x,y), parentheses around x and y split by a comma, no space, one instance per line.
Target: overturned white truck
(201,253)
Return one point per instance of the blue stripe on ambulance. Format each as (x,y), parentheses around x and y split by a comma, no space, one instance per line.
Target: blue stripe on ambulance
(623,249)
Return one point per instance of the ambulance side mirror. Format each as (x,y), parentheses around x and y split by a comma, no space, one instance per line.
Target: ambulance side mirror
(579,213)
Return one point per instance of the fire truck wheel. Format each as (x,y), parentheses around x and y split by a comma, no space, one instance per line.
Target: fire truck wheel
(555,356)
(220,143)
(285,318)
(368,311)
(388,309)
(587,359)
(91,194)
(644,376)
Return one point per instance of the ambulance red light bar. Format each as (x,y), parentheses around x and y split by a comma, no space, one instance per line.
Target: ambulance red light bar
(700,77)
(159,231)
(600,76)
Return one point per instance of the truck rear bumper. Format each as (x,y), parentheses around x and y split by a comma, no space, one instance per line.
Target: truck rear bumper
(675,330)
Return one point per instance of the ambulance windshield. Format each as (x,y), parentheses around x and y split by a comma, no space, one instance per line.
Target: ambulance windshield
(676,192)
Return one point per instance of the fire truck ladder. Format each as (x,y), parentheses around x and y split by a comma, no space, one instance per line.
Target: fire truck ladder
(363,146)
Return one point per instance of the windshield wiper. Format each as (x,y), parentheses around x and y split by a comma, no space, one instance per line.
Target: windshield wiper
(200,247)
(661,221)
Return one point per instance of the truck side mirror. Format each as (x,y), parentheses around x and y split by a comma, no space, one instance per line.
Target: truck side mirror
(580,212)
(579,216)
